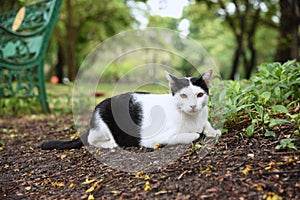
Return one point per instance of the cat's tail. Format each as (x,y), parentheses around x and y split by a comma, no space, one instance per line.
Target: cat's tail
(61,144)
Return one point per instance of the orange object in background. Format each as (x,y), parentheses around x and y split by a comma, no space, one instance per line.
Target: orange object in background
(54,79)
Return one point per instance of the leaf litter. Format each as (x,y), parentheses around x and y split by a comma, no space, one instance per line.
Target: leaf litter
(236,168)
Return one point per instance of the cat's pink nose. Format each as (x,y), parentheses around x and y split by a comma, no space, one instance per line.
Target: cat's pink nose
(193,106)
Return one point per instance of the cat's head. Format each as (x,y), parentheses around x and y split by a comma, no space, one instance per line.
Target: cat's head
(190,94)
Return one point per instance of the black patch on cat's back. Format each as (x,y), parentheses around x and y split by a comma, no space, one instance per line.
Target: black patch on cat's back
(123,116)
(200,83)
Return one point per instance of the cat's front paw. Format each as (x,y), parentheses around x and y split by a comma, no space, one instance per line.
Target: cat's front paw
(213,133)
(218,133)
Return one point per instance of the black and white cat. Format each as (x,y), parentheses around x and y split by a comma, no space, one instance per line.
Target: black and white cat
(144,119)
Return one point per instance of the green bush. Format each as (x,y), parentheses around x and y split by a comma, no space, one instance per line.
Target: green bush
(266,100)
(59,99)
(16,106)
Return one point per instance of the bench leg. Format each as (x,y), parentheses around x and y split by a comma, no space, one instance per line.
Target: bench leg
(42,89)
(43,99)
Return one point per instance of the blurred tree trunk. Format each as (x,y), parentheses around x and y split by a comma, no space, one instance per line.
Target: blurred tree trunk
(250,63)
(71,38)
(83,21)
(289,39)
(60,63)
(237,54)
(243,25)
(238,28)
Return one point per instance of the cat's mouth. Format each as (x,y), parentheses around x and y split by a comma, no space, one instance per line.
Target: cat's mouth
(193,111)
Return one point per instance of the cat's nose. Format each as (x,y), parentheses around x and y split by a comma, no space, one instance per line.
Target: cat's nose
(193,106)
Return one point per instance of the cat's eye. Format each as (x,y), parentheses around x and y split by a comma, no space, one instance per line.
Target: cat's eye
(200,95)
(184,96)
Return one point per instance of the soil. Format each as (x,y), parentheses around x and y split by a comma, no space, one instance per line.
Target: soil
(237,167)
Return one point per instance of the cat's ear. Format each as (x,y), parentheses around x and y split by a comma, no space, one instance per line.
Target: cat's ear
(175,83)
(206,77)
(172,80)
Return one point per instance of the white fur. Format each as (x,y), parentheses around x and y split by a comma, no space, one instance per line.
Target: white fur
(180,124)
(101,136)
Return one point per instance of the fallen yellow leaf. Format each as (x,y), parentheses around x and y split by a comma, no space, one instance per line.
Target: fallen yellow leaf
(258,187)
(268,167)
(139,174)
(72,185)
(290,159)
(87,181)
(146,177)
(273,164)
(147,186)
(28,188)
(207,169)
(91,197)
(57,184)
(60,184)
(115,192)
(157,146)
(92,188)
(272,196)
(46,181)
(279,163)
(74,136)
(247,169)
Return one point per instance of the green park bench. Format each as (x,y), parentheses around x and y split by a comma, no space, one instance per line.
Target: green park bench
(24,38)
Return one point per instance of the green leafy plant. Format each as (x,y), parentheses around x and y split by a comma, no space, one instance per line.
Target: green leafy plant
(59,98)
(287,143)
(15,106)
(265,101)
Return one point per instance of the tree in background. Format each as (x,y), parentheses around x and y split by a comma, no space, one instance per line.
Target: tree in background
(82,25)
(208,29)
(289,38)
(243,18)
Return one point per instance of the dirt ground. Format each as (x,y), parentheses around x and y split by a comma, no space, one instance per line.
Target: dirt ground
(237,167)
